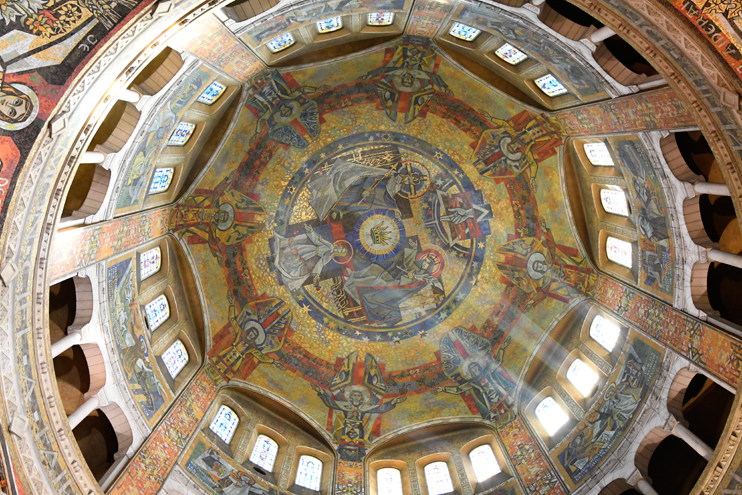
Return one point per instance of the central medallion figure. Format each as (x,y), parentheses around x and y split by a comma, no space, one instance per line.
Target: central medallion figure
(379,236)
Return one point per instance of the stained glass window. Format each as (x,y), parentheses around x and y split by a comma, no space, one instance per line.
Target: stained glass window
(281,42)
(438,478)
(464,32)
(598,154)
(181,134)
(388,482)
(614,202)
(549,85)
(380,18)
(161,180)
(212,93)
(175,358)
(618,251)
(309,473)
(158,311)
(264,453)
(510,54)
(604,332)
(330,25)
(225,423)
(484,463)
(150,262)
(582,377)
(551,416)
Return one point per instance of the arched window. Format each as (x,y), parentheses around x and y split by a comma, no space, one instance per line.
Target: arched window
(225,423)
(464,32)
(598,155)
(484,462)
(510,54)
(161,180)
(380,18)
(551,416)
(582,377)
(281,42)
(212,93)
(438,478)
(604,332)
(264,453)
(549,85)
(309,473)
(614,202)
(158,311)
(150,262)
(618,251)
(181,134)
(388,481)
(330,25)
(175,358)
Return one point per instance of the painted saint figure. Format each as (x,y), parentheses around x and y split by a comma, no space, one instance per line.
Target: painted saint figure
(481,374)
(221,218)
(303,256)
(259,330)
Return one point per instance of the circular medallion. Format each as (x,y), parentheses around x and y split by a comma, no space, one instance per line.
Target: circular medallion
(379,236)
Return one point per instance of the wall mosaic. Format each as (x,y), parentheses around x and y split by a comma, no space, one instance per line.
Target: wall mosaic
(146,150)
(220,47)
(75,249)
(654,110)
(42,45)
(427,17)
(605,423)
(588,85)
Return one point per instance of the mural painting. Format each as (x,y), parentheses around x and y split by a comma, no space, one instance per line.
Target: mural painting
(427,17)
(653,110)
(148,388)
(649,206)
(356,405)
(217,474)
(42,44)
(220,47)
(144,152)
(275,25)
(536,43)
(78,248)
(149,468)
(603,426)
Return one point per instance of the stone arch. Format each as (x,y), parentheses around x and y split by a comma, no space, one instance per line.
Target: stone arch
(647,447)
(116,128)
(616,487)
(87,192)
(159,72)
(121,426)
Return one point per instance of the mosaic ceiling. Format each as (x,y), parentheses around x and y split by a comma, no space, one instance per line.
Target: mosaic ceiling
(382,241)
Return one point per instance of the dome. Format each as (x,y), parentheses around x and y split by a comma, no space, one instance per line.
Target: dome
(396,247)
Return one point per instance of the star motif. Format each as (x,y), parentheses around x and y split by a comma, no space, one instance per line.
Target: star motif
(480,245)
(358,332)
(378,337)
(305,309)
(438,155)
(385,136)
(442,316)
(365,339)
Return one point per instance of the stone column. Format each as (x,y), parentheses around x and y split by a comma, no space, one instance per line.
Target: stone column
(601,34)
(128,95)
(723,257)
(711,188)
(65,343)
(642,486)
(92,157)
(538,3)
(691,439)
(83,411)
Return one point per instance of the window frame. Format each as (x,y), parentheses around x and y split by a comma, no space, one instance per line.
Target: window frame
(298,468)
(452,472)
(505,471)
(236,426)
(162,295)
(184,366)
(376,466)
(254,446)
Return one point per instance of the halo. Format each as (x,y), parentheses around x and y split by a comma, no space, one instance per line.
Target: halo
(353,388)
(504,142)
(343,259)
(230,216)
(532,259)
(438,259)
(610,390)
(482,361)
(146,349)
(257,326)
(17,126)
